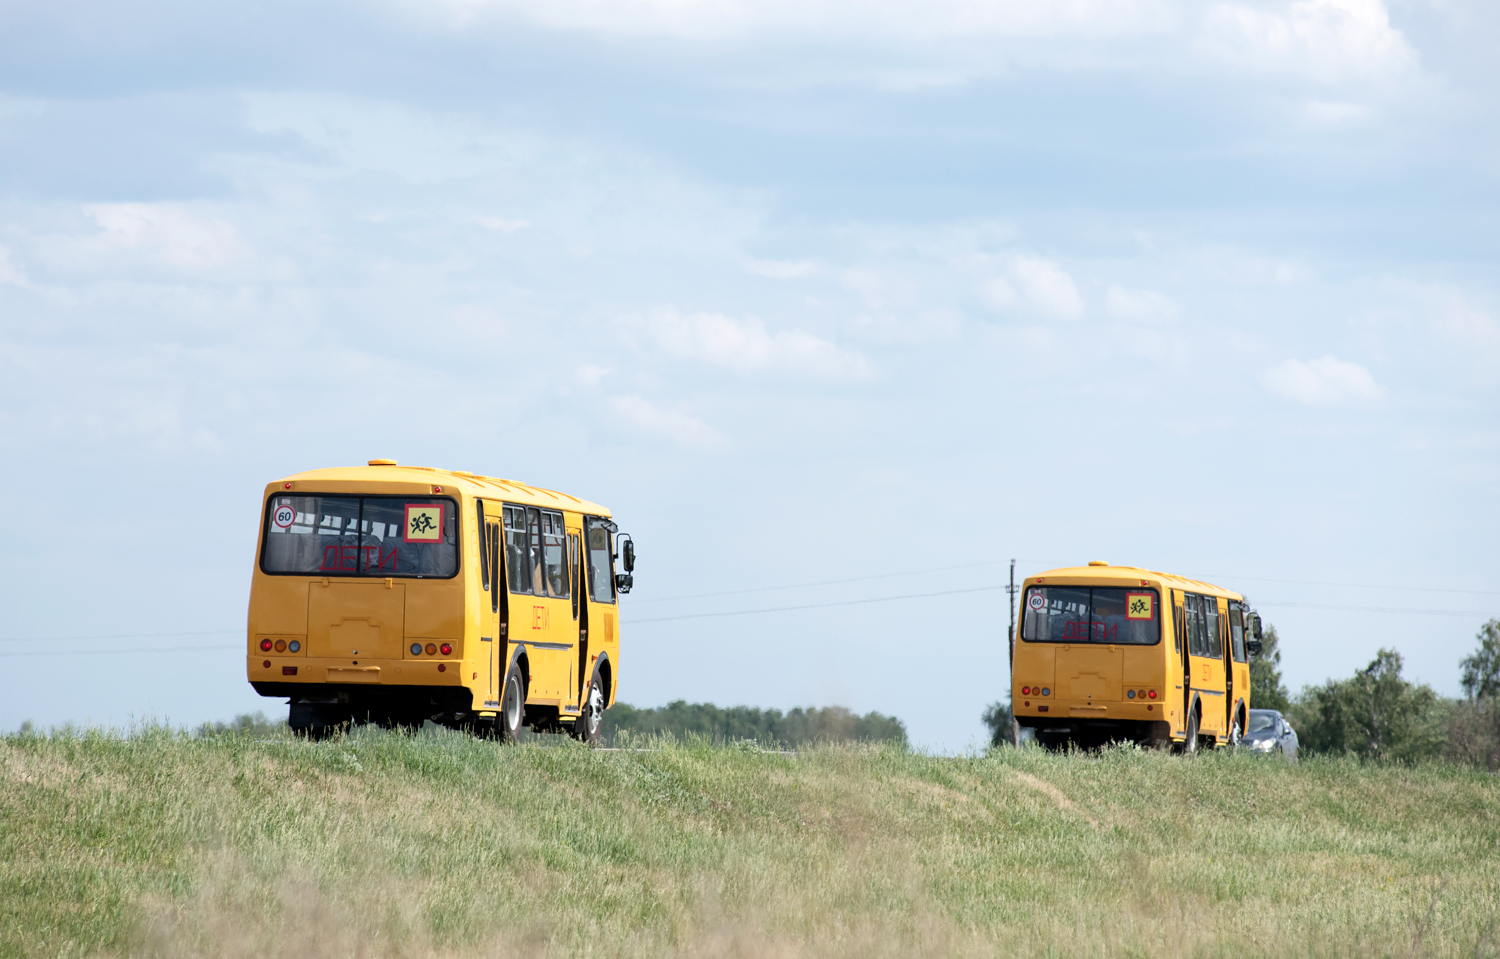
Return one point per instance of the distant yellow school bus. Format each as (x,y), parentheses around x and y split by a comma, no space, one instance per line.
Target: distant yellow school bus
(1116,652)
(392,595)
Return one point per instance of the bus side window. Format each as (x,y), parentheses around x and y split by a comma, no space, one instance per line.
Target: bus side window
(554,555)
(519,572)
(1214,646)
(600,563)
(534,551)
(1237,631)
(1194,625)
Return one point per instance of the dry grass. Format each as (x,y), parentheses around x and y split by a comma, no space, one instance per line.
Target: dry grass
(157,844)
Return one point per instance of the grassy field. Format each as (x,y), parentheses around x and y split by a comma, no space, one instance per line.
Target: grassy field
(381,845)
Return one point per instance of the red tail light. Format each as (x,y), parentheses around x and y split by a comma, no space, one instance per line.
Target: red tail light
(1151,695)
(289,670)
(442,667)
(1025,690)
(446,649)
(265,645)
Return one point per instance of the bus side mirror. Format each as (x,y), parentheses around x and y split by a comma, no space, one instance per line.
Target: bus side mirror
(1254,647)
(623,582)
(629,549)
(1255,625)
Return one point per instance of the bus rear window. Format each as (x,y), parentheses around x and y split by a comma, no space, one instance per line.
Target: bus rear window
(1091,614)
(361,536)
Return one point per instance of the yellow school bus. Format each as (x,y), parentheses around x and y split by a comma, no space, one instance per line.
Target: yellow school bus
(395,594)
(1121,653)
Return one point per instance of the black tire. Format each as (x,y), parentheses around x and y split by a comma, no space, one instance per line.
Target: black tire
(512,714)
(1190,741)
(1236,733)
(589,726)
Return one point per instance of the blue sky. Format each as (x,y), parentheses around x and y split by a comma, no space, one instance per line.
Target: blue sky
(805,292)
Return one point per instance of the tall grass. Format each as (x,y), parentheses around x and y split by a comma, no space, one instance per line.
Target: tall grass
(378,844)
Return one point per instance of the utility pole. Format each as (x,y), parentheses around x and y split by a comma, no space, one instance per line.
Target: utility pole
(1015,729)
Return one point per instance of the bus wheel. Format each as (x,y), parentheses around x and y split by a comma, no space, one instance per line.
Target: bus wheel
(1190,742)
(512,706)
(1236,733)
(589,725)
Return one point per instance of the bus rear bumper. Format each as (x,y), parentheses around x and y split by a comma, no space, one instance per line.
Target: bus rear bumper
(1087,730)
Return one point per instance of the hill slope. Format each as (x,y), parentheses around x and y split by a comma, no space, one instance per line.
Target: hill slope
(382,845)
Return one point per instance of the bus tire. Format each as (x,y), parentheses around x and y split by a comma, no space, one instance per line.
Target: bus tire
(1236,733)
(512,714)
(1190,741)
(589,726)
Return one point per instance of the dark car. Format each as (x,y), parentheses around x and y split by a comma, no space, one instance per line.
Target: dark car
(1269,732)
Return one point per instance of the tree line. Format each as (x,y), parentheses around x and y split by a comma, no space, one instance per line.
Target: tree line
(723,724)
(1380,714)
(1375,714)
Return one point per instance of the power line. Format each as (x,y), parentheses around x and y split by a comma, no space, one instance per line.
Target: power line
(826,582)
(72,639)
(115,652)
(785,609)
(1375,609)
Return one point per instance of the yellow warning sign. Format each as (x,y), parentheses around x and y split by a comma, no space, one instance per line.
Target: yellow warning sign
(424,523)
(1140,605)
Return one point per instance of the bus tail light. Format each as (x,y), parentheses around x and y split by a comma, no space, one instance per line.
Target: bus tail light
(446,649)
(442,667)
(281,645)
(431,649)
(294,646)
(1025,690)
(1046,691)
(416,649)
(289,670)
(1151,694)
(265,645)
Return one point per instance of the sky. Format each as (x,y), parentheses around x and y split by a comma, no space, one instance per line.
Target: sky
(828,302)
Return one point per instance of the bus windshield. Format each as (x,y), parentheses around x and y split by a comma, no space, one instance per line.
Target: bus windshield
(361,536)
(1091,614)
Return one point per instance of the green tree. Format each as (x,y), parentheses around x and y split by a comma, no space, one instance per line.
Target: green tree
(1266,690)
(1375,714)
(1481,671)
(721,724)
(997,717)
(1474,729)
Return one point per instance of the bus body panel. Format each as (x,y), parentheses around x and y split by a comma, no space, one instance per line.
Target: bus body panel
(356,632)
(1088,685)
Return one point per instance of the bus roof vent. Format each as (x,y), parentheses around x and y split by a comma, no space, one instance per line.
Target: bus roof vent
(382,462)
(1097,562)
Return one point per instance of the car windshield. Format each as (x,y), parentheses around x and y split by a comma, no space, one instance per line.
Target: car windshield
(1262,722)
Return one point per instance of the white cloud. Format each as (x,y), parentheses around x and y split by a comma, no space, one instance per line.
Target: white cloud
(1141,306)
(164,233)
(501,223)
(1329,40)
(1320,39)
(1457,318)
(745,346)
(782,269)
(1034,284)
(9,272)
(676,424)
(1328,381)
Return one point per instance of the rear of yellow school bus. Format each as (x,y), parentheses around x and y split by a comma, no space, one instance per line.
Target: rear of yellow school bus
(397,595)
(1120,653)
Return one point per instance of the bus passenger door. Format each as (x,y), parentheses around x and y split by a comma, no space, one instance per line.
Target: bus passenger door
(1184,667)
(494,629)
(580,614)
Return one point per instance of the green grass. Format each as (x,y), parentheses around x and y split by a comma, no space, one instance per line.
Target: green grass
(381,845)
